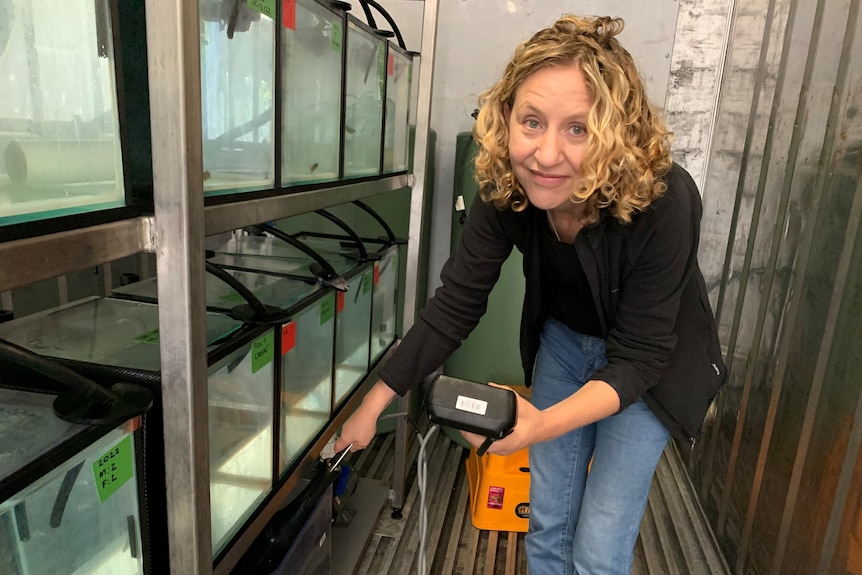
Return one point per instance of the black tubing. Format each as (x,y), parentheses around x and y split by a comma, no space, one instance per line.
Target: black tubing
(363,253)
(388,18)
(285,237)
(389,233)
(63,495)
(55,371)
(255,304)
(368,15)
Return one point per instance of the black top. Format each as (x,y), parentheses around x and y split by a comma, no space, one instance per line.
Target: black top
(565,288)
(652,304)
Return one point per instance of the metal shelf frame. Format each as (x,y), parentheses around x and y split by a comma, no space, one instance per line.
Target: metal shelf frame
(175,234)
(27,261)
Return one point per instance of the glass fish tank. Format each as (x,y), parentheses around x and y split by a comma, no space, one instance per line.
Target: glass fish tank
(237,78)
(101,331)
(396,131)
(68,493)
(125,335)
(361,240)
(312,40)
(363,108)
(306,378)
(352,307)
(270,289)
(240,396)
(384,281)
(305,341)
(384,302)
(306,344)
(60,151)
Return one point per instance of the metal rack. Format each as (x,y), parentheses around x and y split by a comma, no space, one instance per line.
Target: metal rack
(175,234)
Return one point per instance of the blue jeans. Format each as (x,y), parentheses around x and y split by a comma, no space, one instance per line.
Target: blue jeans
(580,523)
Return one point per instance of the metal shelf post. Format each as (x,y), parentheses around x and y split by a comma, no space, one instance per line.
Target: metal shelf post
(173,57)
(420,154)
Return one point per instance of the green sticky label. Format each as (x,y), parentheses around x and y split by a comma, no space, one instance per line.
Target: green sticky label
(113,468)
(265,7)
(149,337)
(262,352)
(366,283)
(327,310)
(337,35)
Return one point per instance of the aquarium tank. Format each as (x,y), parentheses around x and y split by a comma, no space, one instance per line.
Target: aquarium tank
(237,79)
(312,42)
(363,108)
(60,150)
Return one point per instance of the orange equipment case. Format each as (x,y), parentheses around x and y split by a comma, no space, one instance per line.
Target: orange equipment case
(499,490)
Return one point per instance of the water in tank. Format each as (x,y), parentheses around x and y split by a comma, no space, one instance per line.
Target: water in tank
(306,377)
(101,331)
(270,289)
(384,283)
(384,302)
(352,308)
(240,398)
(311,41)
(237,70)
(399,76)
(78,510)
(363,108)
(240,384)
(60,150)
(305,341)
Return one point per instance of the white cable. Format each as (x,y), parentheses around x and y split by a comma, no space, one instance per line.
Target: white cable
(421,478)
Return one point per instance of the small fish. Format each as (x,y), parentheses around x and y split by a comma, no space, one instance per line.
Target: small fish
(207,176)
(314,167)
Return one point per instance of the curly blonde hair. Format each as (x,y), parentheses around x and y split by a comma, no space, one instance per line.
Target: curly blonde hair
(628,144)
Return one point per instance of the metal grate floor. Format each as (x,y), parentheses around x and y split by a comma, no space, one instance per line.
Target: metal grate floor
(675,538)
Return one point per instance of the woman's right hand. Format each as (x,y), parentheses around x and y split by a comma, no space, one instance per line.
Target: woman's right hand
(361,427)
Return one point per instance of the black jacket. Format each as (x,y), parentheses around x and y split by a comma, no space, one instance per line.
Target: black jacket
(659,329)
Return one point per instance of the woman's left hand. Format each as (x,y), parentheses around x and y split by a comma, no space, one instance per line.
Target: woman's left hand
(528,429)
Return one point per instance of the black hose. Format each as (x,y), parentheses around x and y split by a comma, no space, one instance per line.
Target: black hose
(55,371)
(388,18)
(63,495)
(368,16)
(363,253)
(234,16)
(256,305)
(389,233)
(285,237)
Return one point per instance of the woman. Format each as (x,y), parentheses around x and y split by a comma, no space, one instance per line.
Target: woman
(617,336)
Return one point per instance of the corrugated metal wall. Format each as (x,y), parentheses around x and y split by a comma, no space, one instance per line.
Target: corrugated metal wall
(778,466)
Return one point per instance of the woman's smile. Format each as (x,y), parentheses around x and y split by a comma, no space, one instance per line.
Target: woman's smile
(548,134)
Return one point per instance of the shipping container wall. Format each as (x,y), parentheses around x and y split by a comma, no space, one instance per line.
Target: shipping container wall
(778,466)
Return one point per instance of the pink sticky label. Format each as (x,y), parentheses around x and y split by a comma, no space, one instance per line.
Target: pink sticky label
(495,497)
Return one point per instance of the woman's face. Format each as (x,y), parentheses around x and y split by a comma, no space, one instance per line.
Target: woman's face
(548,134)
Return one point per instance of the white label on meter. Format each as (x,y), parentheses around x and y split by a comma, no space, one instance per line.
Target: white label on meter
(471,404)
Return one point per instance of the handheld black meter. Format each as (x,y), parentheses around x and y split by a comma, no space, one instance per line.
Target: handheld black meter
(475,407)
